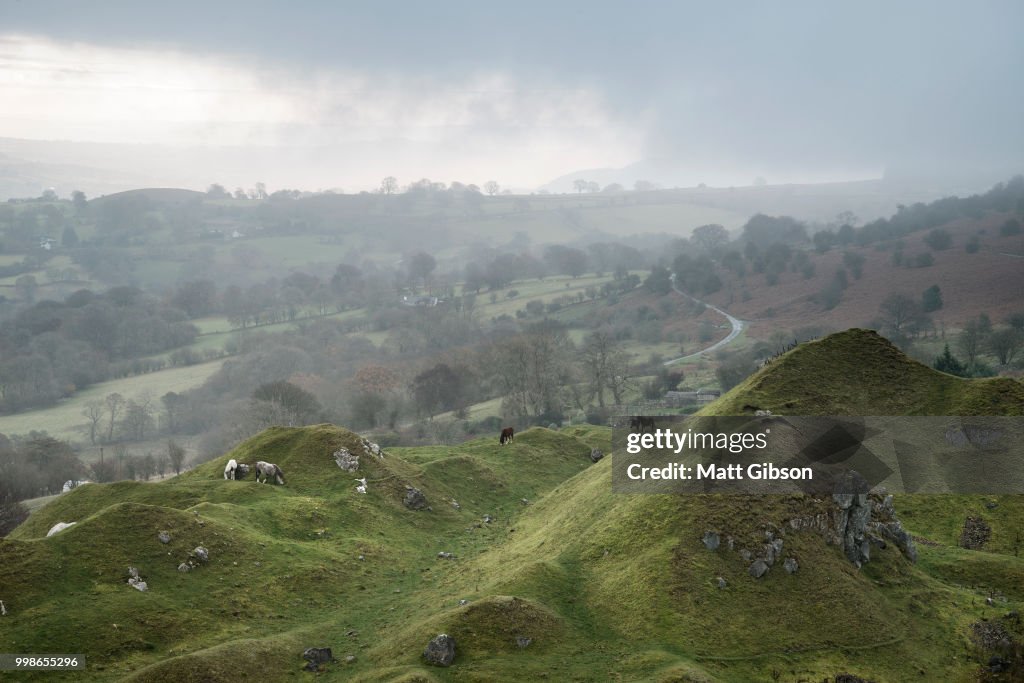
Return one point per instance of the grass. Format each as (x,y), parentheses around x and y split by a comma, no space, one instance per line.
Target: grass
(605,586)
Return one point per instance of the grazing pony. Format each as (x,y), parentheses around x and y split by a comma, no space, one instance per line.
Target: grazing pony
(641,423)
(268,470)
(230,469)
(507,434)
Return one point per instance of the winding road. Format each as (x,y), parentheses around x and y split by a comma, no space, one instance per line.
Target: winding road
(737,326)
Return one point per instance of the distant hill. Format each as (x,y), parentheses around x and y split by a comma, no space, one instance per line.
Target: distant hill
(161,195)
(989,279)
(552,576)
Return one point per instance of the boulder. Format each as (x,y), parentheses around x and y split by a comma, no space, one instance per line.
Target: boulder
(975,534)
(184,567)
(164,537)
(201,553)
(522,641)
(488,519)
(445,555)
(758,569)
(440,651)
(711,540)
(791,565)
(139,586)
(595,454)
(316,656)
(414,498)
(721,582)
(346,460)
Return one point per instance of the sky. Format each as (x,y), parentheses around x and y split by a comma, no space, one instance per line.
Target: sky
(321,94)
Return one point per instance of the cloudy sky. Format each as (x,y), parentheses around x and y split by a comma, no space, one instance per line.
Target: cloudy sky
(336,94)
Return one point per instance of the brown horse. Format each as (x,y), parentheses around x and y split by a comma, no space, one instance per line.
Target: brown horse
(507,434)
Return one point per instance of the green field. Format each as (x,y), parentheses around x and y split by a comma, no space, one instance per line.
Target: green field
(65,420)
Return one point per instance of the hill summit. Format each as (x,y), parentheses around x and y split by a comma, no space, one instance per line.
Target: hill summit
(859,372)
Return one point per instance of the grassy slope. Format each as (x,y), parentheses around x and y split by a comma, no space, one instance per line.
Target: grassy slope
(608,587)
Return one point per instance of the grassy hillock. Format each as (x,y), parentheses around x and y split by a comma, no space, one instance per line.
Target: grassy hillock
(859,372)
(602,586)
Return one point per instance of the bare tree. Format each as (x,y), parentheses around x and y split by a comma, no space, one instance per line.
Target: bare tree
(491,187)
(389,185)
(93,411)
(176,454)
(605,366)
(580,185)
(114,403)
(970,340)
(1004,344)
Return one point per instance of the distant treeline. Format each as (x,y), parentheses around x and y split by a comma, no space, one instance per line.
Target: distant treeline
(51,349)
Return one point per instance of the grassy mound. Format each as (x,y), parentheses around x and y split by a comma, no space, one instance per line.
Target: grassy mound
(858,372)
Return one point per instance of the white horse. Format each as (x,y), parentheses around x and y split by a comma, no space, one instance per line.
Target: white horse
(362,485)
(268,470)
(235,470)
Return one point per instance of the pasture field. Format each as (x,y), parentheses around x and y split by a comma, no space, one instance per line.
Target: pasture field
(65,420)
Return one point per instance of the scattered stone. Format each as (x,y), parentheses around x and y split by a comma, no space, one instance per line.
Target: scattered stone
(791,565)
(346,460)
(711,540)
(721,582)
(352,633)
(362,558)
(58,527)
(414,499)
(758,569)
(373,448)
(3,610)
(135,581)
(445,555)
(850,678)
(184,567)
(595,454)
(350,659)
(463,602)
(164,537)
(975,534)
(745,554)
(488,519)
(440,651)
(201,553)
(522,642)
(990,635)
(316,656)
(455,504)
(362,485)
(524,501)
(991,505)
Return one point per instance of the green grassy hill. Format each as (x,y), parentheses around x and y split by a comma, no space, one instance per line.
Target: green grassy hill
(604,586)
